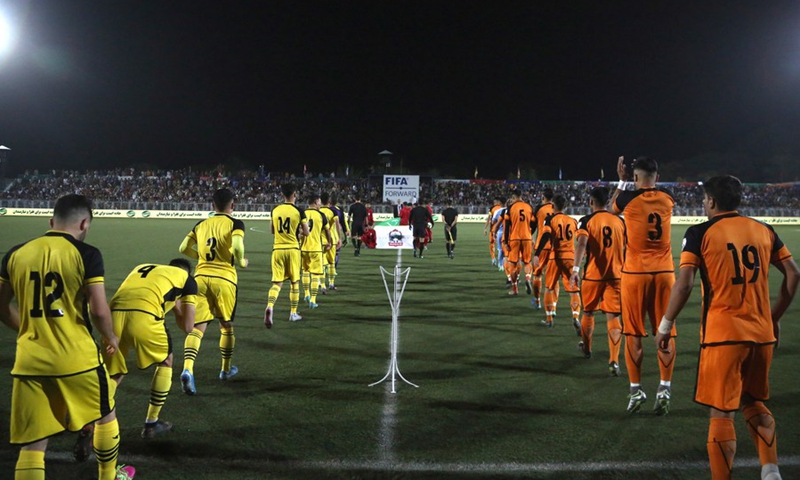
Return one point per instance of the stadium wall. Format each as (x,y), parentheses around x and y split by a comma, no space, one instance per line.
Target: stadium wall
(199,215)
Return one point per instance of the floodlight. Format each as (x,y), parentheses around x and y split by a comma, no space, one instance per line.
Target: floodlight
(6,35)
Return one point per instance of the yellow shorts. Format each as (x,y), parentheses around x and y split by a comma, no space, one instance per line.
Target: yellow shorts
(286,265)
(44,406)
(329,257)
(216,298)
(726,372)
(601,295)
(145,334)
(644,294)
(312,262)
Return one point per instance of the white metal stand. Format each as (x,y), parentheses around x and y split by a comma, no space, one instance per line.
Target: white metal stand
(394,301)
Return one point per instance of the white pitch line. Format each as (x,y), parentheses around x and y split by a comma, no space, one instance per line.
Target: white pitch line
(456,467)
(254,229)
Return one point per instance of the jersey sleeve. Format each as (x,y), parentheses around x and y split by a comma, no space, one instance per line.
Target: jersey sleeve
(780,253)
(93,265)
(582,229)
(623,199)
(691,249)
(4,277)
(238,227)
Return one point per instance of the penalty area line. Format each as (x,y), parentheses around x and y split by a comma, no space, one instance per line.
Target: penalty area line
(448,467)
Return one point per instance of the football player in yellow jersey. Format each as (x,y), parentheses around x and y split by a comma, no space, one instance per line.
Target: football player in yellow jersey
(59,380)
(138,309)
(337,234)
(218,245)
(289,226)
(313,248)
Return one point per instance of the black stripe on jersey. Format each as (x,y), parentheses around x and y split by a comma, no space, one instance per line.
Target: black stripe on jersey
(626,197)
(173,294)
(91,256)
(4,264)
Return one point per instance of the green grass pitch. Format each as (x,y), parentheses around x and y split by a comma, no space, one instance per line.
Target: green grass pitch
(498,396)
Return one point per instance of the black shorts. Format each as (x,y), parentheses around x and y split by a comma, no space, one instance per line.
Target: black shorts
(451,237)
(356,229)
(420,230)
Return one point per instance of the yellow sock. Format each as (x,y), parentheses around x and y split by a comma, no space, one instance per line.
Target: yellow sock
(274,291)
(316,280)
(106,449)
(30,465)
(294,297)
(190,348)
(307,283)
(721,447)
(331,274)
(159,389)
(226,343)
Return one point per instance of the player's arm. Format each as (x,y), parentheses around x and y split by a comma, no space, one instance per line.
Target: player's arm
(303,228)
(455,220)
(238,251)
(623,177)
(185,315)
(189,246)
(101,315)
(580,250)
(681,291)
(786,292)
(8,313)
(488,223)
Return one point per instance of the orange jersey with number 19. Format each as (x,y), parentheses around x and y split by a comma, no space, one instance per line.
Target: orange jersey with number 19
(648,214)
(733,253)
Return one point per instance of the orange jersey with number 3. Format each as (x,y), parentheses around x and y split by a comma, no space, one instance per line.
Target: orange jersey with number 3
(648,214)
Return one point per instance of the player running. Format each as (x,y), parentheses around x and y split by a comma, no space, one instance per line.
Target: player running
(313,249)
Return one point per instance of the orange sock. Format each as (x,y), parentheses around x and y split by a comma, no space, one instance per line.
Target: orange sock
(633,362)
(587,329)
(761,426)
(666,361)
(721,447)
(549,304)
(575,304)
(537,286)
(614,338)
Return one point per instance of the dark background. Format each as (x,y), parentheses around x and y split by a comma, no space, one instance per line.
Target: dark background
(448,86)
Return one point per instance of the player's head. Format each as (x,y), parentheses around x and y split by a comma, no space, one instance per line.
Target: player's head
(325,198)
(288,189)
(599,197)
(559,202)
(181,263)
(314,200)
(498,200)
(547,194)
(645,171)
(448,202)
(516,194)
(357,197)
(73,214)
(222,199)
(722,193)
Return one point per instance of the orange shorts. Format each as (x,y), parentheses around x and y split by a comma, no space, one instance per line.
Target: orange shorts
(559,268)
(544,259)
(601,295)
(520,250)
(727,372)
(644,294)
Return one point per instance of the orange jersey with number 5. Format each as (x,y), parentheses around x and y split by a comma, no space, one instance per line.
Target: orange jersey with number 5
(519,217)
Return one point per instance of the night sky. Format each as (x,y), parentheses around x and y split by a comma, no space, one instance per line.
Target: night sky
(446,85)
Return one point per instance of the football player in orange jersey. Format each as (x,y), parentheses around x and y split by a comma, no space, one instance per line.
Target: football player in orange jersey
(648,274)
(558,231)
(739,329)
(541,212)
(488,227)
(518,235)
(601,238)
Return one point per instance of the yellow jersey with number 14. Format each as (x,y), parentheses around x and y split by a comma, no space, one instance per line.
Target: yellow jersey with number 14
(286,220)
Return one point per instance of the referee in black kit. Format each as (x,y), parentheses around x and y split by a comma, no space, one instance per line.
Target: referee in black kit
(450,216)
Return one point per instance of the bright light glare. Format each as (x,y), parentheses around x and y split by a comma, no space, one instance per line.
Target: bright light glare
(6,37)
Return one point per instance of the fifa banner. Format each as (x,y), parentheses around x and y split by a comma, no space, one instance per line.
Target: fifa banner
(400,187)
(393,237)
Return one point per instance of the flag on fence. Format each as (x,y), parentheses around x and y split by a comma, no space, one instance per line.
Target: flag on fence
(602,174)
(305,170)
(518,172)
(476,171)
(559,173)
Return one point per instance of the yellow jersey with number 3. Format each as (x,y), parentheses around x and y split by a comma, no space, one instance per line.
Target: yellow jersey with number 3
(317,224)
(214,237)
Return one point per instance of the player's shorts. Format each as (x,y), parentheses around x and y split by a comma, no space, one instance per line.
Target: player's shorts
(451,237)
(44,406)
(312,262)
(356,229)
(726,372)
(601,295)
(216,298)
(420,230)
(146,334)
(329,257)
(544,259)
(286,265)
(644,294)
(560,268)
(520,250)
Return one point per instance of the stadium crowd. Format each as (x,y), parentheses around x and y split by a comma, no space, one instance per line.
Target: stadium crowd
(188,189)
